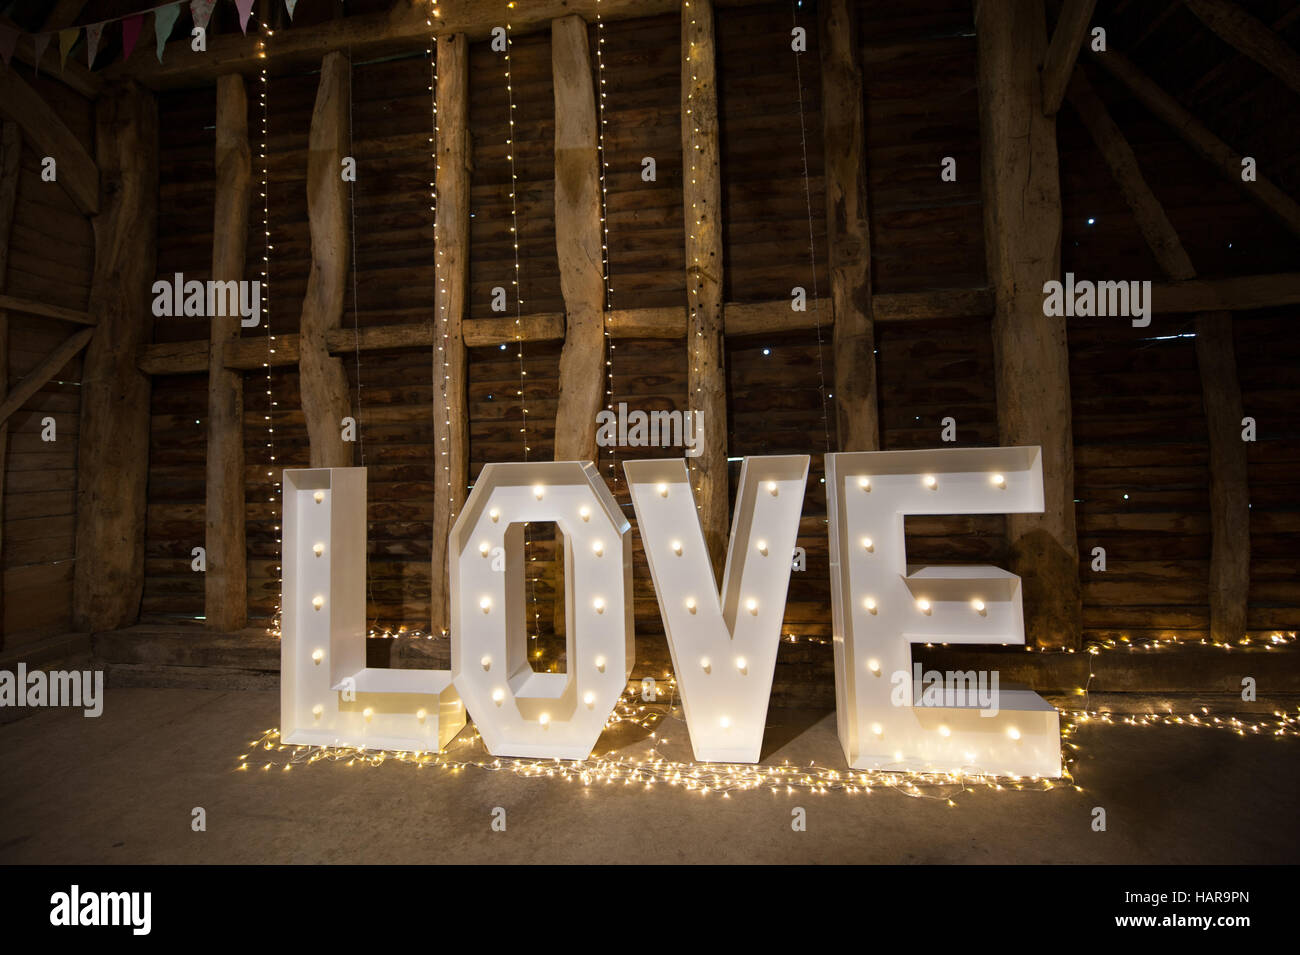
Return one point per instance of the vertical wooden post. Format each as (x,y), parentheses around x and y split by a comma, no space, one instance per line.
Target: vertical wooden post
(322,382)
(1022,240)
(11,145)
(113,451)
(451,241)
(848,233)
(226,580)
(1229,584)
(702,209)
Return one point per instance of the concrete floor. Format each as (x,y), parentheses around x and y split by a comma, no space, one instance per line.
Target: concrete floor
(120,789)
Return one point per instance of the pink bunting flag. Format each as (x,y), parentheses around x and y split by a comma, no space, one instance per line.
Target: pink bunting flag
(289,5)
(93,32)
(67,38)
(245,11)
(201,11)
(131,27)
(8,40)
(40,42)
(164,18)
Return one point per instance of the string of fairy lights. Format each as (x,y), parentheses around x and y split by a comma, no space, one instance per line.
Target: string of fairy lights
(602,168)
(694,267)
(263,54)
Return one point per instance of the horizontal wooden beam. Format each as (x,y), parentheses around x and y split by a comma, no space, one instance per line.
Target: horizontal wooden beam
(404,29)
(1236,294)
(28,307)
(43,372)
(77,172)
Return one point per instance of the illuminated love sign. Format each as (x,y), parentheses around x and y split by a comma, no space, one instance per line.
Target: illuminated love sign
(723,641)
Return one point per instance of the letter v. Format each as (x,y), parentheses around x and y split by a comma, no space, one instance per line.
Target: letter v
(723,643)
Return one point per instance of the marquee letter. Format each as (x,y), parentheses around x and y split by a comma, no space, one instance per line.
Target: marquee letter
(723,645)
(328,696)
(881,606)
(520,712)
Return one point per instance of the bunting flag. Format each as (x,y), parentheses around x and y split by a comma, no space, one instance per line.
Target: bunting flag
(164,18)
(245,11)
(201,11)
(40,42)
(67,39)
(93,33)
(131,27)
(8,40)
(289,5)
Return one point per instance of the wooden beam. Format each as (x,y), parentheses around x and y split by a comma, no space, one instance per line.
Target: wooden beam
(1195,134)
(702,213)
(1229,579)
(1250,36)
(226,579)
(113,449)
(450,364)
(1238,293)
(11,147)
(1022,239)
(29,307)
(322,382)
(848,232)
(1069,35)
(538,327)
(77,173)
(404,29)
(38,376)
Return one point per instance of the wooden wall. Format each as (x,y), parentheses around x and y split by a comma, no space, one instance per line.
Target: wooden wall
(1138,425)
(50,260)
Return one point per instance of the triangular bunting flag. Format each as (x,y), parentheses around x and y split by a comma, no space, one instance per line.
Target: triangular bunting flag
(245,10)
(67,38)
(93,33)
(40,42)
(131,27)
(289,5)
(164,18)
(201,11)
(8,40)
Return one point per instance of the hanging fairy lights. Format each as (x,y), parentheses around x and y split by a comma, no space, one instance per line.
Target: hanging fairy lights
(693,220)
(263,54)
(603,166)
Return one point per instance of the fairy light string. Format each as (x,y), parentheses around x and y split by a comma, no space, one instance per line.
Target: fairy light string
(603,166)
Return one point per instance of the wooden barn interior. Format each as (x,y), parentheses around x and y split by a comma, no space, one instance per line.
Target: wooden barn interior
(650,182)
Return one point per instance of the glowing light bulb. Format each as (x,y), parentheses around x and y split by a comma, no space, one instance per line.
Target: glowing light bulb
(486,662)
(704,663)
(538,491)
(864,483)
(485,604)
(318,601)
(584,512)
(544,719)
(944,731)
(868,544)
(870,604)
(662,489)
(690,604)
(1013,732)
(318,655)
(318,549)
(741,663)
(598,548)
(368,712)
(977,605)
(421,714)
(771,488)
(317,710)
(999,480)
(725,722)
(677,548)
(485,548)
(600,664)
(874,666)
(762,547)
(877,729)
(589,698)
(931,481)
(923,605)
(599,604)
(319,496)
(495,515)
(751,605)
(498,695)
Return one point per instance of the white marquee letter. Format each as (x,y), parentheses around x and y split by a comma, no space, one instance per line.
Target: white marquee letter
(723,645)
(517,711)
(881,606)
(328,696)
